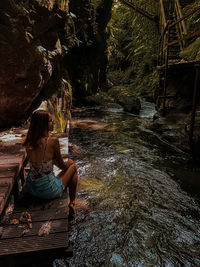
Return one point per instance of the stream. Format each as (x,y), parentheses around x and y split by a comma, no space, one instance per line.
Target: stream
(138,199)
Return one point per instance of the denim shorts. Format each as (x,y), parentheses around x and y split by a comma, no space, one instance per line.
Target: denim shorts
(46,187)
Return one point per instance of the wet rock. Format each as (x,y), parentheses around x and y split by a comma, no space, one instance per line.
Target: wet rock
(175,129)
(173,123)
(102,99)
(126,98)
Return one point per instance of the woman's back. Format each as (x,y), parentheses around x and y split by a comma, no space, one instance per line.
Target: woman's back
(43,152)
(41,157)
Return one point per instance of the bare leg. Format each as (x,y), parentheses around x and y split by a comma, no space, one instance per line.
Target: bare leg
(70,178)
(72,194)
(73,187)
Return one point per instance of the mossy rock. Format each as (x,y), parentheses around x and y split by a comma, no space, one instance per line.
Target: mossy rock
(126,98)
(192,52)
(102,99)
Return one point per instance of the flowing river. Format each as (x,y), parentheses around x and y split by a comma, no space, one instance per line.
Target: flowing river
(138,199)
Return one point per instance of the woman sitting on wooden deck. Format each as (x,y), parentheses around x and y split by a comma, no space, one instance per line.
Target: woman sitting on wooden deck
(43,151)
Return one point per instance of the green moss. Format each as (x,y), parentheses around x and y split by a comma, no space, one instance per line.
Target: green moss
(125,96)
(191,52)
(101,98)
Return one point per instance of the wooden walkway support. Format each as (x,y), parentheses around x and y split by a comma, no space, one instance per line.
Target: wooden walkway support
(22,231)
(12,158)
(139,10)
(194,104)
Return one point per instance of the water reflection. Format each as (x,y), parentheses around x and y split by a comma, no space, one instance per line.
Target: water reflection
(132,209)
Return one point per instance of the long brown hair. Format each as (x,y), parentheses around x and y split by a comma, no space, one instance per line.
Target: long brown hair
(39,127)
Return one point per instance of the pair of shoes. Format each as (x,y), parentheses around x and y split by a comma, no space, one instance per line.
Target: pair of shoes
(72,209)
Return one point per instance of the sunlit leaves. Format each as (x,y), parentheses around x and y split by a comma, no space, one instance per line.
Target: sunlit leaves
(133,43)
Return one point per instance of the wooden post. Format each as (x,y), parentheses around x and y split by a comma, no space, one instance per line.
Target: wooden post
(194,105)
(166,68)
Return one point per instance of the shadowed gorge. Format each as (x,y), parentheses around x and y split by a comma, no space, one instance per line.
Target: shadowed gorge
(122,77)
(44,42)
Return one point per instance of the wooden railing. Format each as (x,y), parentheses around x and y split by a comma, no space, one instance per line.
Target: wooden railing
(165,44)
(180,26)
(164,34)
(166,27)
(146,11)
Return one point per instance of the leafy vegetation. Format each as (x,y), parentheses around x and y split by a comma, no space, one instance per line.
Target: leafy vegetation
(192,51)
(132,49)
(59,106)
(193,22)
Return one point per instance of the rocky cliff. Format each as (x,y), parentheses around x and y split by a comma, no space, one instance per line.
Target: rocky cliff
(34,37)
(87,60)
(43,42)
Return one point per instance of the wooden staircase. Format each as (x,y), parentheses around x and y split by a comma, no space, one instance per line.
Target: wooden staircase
(174,38)
(174,50)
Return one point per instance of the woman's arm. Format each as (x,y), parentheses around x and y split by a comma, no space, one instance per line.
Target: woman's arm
(58,160)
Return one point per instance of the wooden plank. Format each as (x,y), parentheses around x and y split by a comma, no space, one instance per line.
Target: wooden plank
(3,186)
(8,181)
(5,189)
(14,231)
(41,215)
(11,160)
(11,148)
(30,203)
(1,203)
(33,243)
(4,169)
(5,173)
(10,165)
(44,205)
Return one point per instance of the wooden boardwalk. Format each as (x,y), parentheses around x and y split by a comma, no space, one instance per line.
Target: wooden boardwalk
(22,241)
(12,157)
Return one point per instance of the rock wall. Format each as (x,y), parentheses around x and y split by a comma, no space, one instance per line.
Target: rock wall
(87,61)
(33,41)
(44,41)
(175,126)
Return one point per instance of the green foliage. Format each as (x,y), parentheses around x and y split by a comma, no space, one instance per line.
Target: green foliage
(192,51)
(59,106)
(132,48)
(125,96)
(97,3)
(193,22)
